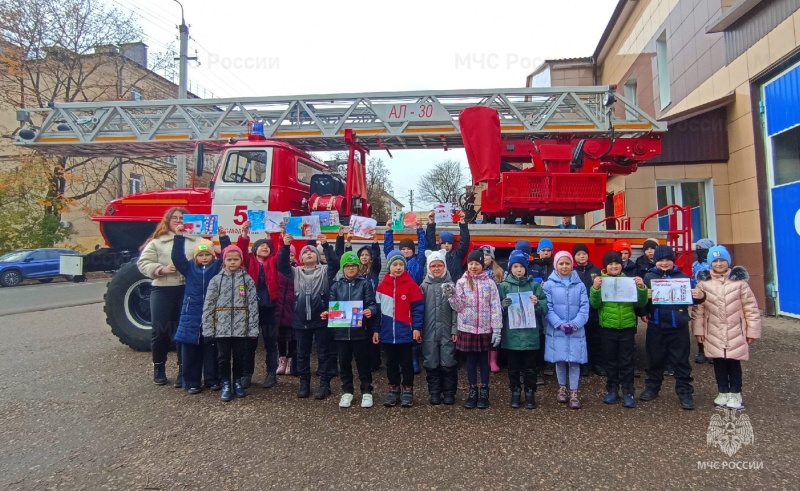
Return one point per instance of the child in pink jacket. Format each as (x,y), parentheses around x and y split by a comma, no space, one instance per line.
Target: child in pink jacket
(727,323)
(480,321)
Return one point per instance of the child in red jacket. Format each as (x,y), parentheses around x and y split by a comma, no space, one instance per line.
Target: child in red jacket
(261,263)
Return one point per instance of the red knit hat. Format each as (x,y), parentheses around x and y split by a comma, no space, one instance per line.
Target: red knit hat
(622,245)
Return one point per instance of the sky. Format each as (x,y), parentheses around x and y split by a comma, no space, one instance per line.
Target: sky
(273,48)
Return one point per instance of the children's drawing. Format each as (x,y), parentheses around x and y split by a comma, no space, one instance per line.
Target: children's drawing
(363,227)
(410,219)
(200,224)
(342,315)
(673,291)
(303,227)
(328,220)
(397,220)
(618,289)
(521,312)
(446,213)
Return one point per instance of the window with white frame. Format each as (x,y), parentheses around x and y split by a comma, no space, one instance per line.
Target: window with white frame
(698,194)
(134,184)
(662,62)
(632,96)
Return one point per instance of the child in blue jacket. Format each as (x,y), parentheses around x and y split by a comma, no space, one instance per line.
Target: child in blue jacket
(198,356)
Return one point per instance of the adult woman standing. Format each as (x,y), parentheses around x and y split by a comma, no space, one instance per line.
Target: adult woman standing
(166,297)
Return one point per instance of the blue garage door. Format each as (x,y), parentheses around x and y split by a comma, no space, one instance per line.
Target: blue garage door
(786,218)
(782,108)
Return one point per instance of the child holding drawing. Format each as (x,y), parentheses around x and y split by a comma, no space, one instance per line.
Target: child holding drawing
(480,322)
(617,330)
(521,341)
(667,338)
(354,342)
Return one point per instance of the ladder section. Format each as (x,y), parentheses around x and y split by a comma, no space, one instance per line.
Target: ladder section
(392,120)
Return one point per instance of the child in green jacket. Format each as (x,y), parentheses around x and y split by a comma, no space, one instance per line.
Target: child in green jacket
(521,344)
(617,330)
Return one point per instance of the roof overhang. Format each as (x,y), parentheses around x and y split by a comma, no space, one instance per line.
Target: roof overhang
(701,109)
(730,15)
(621,13)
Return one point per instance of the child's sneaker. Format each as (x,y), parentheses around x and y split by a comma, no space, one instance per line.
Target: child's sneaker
(735,401)
(628,401)
(722,399)
(407,397)
(366,400)
(238,390)
(574,400)
(194,390)
(612,396)
(346,400)
(393,397)
(530,399)
(562,397)
(226,394)
(281,366)
(472,398)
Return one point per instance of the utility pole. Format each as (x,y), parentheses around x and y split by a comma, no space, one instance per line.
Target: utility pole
(411,199)
(183,82)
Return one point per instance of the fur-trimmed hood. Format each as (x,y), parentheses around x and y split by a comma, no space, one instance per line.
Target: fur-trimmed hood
(737,273)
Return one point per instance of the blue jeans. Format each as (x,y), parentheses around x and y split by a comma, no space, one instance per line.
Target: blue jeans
(326,352)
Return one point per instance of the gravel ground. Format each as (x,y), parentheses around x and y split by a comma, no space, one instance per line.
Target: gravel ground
(78,410)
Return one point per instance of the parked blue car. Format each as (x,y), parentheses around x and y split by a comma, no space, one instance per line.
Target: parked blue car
(31,264)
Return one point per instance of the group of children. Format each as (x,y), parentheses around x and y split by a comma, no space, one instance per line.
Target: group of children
(451,300)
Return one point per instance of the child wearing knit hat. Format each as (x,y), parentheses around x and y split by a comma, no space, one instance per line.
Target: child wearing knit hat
(542,267)
(646,261)
(261,263)
(455,255)
(402,320)
(618,331)
(588,272)
(413,255)
(230,315)
(727,324)
(522,345)
(480,322)
(198,355)
(312,282)
(629,267)
(354,342)
(667,338)
(567,314)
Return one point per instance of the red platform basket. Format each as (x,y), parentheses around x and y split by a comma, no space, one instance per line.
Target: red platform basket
(553,194)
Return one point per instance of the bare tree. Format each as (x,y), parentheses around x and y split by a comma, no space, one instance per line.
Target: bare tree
(443,184)
(70,51)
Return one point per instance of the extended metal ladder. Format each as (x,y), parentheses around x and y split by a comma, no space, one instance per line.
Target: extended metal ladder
(392,120)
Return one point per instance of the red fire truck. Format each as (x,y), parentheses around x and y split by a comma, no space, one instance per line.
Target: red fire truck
(532,152)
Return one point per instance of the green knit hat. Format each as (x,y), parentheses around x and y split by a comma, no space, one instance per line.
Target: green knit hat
(349,259)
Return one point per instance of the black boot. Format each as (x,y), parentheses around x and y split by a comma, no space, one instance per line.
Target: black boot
(472,398)
(434,378)
(179,378)
(701,355)
(407,396)
(515,395)
(393,396)
(483,398)
(324,390)
(305,387)
(159,374)
(530,399)
(449,384)
(226,395)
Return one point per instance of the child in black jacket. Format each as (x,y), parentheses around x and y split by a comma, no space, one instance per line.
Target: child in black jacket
(668,339)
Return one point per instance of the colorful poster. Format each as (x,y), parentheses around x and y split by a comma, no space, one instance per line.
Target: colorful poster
(266,221)
(328,220)
(446,213)
(346,315)
(674,291)
(410,219)
(303,227)
(521,312)
(257,219)
(620,289)
(397,221)
(200,224)
(363,227)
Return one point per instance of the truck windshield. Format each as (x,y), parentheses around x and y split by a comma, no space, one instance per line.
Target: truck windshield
(246,166)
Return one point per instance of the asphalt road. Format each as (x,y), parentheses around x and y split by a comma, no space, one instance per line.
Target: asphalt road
(78,410)
(43,296)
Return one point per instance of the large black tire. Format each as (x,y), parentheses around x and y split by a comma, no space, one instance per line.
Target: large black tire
(127,307)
